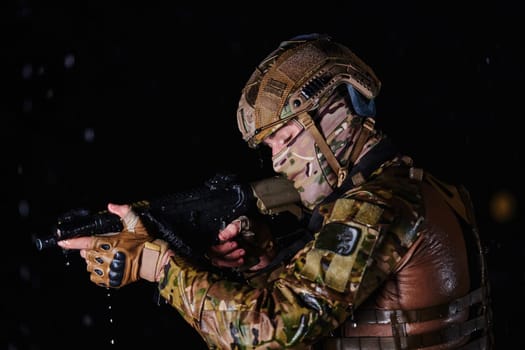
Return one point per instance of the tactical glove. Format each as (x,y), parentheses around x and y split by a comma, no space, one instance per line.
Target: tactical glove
(118,259)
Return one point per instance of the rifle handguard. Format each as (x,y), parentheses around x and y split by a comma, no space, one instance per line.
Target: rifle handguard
(275,195)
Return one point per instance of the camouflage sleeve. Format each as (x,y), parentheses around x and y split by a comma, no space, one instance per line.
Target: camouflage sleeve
(234,315)
(313,295)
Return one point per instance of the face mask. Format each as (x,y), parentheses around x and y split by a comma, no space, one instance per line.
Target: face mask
(303,164)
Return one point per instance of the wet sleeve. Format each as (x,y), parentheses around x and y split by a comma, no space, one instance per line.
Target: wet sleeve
(305,302)
(316,291)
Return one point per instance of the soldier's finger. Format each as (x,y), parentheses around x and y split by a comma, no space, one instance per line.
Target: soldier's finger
(223,249)
(77,243)
(119,209)
(230,231)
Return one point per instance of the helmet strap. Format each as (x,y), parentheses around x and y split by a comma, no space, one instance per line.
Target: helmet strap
(309,125)
(367,130)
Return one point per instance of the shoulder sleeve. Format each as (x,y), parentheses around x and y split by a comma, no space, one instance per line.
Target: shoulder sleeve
(363,238)
(338,257)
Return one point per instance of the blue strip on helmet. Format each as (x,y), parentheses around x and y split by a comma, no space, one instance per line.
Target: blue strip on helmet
(363,106)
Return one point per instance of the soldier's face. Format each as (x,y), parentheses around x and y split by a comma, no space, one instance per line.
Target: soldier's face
(294,155)
(282,137)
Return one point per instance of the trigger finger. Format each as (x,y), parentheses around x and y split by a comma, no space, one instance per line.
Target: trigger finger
(77,243)
(230,231)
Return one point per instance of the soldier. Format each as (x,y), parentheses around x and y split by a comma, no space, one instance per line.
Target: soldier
(390,257)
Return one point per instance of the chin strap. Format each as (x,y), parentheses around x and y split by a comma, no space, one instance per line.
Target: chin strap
(367,130)
(351,154)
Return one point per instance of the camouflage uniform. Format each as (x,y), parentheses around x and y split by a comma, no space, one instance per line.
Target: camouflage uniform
(392,258)
(341,290)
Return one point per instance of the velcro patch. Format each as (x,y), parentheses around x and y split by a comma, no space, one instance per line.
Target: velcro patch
(339,238)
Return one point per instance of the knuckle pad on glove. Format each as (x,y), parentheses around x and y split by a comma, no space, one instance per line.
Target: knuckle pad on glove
(119,257)
(117,269)
(115,278)
(105,246)
(117,265)
(115,283)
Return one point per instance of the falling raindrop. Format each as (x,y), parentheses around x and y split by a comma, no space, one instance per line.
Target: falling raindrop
(87,320)
(89,135)
(27,71)
(66,257)
(25,273)
(110,317)
(69,61)
(23,208)
(27,105)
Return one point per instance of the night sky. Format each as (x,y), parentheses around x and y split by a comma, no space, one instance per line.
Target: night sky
(117,102)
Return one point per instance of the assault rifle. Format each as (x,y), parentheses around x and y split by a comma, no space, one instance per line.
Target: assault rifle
(191,220)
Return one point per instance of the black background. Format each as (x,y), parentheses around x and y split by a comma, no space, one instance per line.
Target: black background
(107,101)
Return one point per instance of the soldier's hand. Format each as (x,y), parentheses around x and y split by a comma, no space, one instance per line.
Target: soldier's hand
(117,259)
(228,253)
(242,245)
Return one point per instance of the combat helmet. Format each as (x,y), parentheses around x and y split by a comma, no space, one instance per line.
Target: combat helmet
(294,79)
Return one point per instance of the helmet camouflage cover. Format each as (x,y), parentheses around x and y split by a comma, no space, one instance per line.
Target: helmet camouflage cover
(295,78)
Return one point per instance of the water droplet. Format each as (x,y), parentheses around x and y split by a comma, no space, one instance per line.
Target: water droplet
(27,105)
(89,135)
(69,61)
(25,273)
(23,208)
(87,320)
(110,312)
(24,10)
(27,71)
